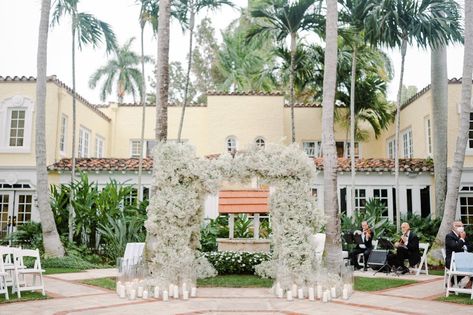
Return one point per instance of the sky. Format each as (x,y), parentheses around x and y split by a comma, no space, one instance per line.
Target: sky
(19,21)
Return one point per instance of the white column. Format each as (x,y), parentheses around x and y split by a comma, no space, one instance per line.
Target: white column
(350,195)
(256,226)
(231,225)
(402,200)
(416,200)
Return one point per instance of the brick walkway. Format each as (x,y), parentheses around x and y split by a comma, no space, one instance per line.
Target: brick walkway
(71,297)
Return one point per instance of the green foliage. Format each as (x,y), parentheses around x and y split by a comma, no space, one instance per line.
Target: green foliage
(25,296)
(209,232)
(242,226)
(28,235)
(106,283)
(461,298)
(236,262)
(70,262)
(425,228)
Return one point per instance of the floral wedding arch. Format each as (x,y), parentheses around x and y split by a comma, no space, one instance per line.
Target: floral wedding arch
(176,210)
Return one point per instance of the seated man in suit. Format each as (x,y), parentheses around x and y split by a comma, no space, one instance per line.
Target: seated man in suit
(455,241)
(406,248)
(365,246)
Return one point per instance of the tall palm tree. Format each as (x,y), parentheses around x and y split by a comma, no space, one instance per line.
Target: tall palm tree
(86,29)
(284,19)
(121,70)
(193,7)
(162,73)
(333,244)
(459,155)
(397,23)
(52,244)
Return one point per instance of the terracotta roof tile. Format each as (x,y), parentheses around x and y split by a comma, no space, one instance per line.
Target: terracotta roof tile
(245,93)
(148,105)
(102,164)
(381,165)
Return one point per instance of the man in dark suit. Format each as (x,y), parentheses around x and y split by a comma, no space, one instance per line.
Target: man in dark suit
(364,247)
(407,248)
(455,241)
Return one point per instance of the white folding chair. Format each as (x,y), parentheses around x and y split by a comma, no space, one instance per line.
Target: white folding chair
(3,278)
(7,255)
(445,269)
(461,265)
(318,243)
(423,261)
(21,283)
(133,253)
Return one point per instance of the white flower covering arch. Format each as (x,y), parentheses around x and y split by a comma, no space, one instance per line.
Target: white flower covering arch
(176,210)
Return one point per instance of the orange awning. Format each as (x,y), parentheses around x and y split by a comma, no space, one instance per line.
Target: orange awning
(243,201)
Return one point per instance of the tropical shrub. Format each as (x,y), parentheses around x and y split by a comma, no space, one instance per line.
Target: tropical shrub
(236,262)
(28,235)
(425,228)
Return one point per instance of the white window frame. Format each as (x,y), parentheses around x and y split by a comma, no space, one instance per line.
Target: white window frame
(229,147)
(260,142)
(6,107)
(428,135)
(63,135)
(391,146)
(469,145)
(347,149)
(381,198)
(99,146)
(407,147)
(316,147)
(134,154)
(358,198)
(83,150)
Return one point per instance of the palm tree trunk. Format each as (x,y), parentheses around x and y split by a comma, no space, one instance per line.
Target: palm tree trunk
(189,64)
(162,73)
(462,139)
(352,127)
(439,125)
(74,121)
(291,85)
(333,244)
(398,126)
(52,244)
(143,114)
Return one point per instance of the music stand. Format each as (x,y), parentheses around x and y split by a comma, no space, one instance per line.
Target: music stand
(386,245)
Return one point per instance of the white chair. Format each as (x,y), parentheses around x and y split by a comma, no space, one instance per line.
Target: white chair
(461,265)
(361,257)
(21,283)
(133,253)
(445,270)
(7,255)
(3,278)
(318,244)
(423,261)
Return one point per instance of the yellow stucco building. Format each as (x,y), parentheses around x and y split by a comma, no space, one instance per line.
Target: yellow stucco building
(108,144)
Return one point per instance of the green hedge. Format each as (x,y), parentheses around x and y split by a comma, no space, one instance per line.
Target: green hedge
(236,262)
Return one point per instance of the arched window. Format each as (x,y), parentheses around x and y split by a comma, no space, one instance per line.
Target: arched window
(260,142)
(231,144)
(16,117)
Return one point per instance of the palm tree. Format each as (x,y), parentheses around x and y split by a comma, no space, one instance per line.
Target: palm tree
(162,73)
(52,244)
(397,23)
(459,155)
(194,7)
(284,19)
(333,244)
(89,30)
(122,71)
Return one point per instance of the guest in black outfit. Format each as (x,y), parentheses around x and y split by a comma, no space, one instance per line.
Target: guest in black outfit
(455,241)
(365,247)
(406,248)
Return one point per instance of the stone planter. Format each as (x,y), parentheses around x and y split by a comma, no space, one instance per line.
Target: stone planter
(243,245)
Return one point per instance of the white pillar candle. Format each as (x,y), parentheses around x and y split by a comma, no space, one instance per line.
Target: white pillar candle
(139,292)
(300,293)
(165,296)
(280,293)
(319,292)
(184,287)
(176,292)
(122,291)
(185,295)
(311,294)
(117,288)
(333,292)
(156,292)
(294,290)
(145,294)
(171,290)
(132,294)
(289,295)
(345,293)
(193,292)
(325,296)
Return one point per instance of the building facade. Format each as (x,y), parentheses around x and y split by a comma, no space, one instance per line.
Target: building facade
(108,145)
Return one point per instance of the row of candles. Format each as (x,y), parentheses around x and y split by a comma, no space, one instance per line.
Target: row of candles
(138,289)
(313,293)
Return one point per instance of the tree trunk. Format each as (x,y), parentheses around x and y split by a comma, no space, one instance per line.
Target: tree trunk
(52,244)
(333,244)
(462,139)
(291,85)
(162,73)
(143,114)
(352,127)
(189,64)
(74,121)
(439,78)
(398,126)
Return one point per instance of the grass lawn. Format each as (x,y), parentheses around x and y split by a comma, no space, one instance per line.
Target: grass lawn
(436,272)
(51,271)
(376,284)
(461,298)
(235,281)
(25,296)
(106,283)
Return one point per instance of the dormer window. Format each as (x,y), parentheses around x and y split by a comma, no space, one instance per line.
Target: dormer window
(16,117)
(260,143)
